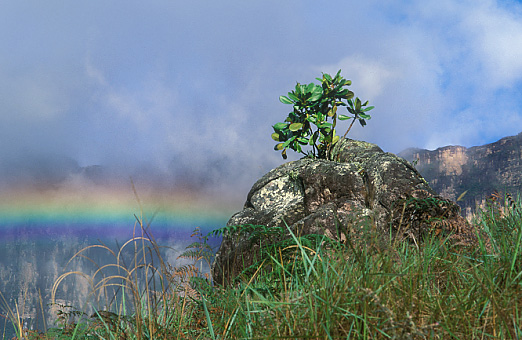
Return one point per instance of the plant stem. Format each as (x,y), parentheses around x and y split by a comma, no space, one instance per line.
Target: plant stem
(353,121)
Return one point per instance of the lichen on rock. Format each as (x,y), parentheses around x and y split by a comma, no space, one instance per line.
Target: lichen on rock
(360,183)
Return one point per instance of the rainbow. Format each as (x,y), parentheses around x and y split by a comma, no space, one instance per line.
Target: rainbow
(42,230)
(106,213)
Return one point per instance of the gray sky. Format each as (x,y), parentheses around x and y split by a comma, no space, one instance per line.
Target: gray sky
(192,87)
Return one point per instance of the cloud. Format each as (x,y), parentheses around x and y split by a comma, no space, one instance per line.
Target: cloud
(496,33)
(187,90)
(192,145)
(373,76)
(445,70)
(40,102)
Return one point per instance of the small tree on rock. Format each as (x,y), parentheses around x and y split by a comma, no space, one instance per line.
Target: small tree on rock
(314,117)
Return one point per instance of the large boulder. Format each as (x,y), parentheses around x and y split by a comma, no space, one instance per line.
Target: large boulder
(360,184)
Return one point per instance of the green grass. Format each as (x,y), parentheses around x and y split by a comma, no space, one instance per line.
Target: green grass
(360,289)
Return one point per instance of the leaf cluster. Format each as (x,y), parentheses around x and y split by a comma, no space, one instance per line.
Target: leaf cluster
(199,251)
(314,116)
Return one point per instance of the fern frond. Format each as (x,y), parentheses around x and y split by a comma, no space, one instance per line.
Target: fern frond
(199,245)
(190,255)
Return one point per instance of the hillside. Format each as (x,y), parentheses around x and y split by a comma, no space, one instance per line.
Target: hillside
(479,171)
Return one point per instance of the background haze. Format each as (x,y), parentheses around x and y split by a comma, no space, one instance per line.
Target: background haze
(186,91)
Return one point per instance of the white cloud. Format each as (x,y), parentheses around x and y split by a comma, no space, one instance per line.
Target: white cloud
(369,75)
(182,81)
(37,96)
(435,71)
(496,33)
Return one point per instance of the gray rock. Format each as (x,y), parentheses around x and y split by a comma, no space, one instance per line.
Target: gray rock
(360,184)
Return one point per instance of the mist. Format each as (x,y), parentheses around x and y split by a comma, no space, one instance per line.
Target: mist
(184,94)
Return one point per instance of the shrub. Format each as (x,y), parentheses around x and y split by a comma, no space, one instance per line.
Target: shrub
(314,105)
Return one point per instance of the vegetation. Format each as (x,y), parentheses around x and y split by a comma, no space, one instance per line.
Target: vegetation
(315,288)
(314,105)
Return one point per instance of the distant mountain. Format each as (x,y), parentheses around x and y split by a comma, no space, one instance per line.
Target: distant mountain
(36,170)
(479,171)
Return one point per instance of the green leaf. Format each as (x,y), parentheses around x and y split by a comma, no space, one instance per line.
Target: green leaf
(275,136)
(363,116)
(298,90)
(357,104)
(335,139)
(280,126)
(288,142)
(325,125)
(343,117)
(284,154)
(311,119)
(315,97)
(312,139)
(343,92)
(317,93)
(292,96)
(278,147)
(332,111)
(302,140)
(327,76)
(285,100)
(295,126)
(368,108)
(310,88)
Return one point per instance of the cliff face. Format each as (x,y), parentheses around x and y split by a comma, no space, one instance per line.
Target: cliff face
(479,171)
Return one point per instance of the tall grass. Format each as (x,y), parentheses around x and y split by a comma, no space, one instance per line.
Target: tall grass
(364,290)
(144,298)
(359,289)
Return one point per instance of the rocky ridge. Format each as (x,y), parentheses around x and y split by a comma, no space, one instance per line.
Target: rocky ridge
(478,171)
